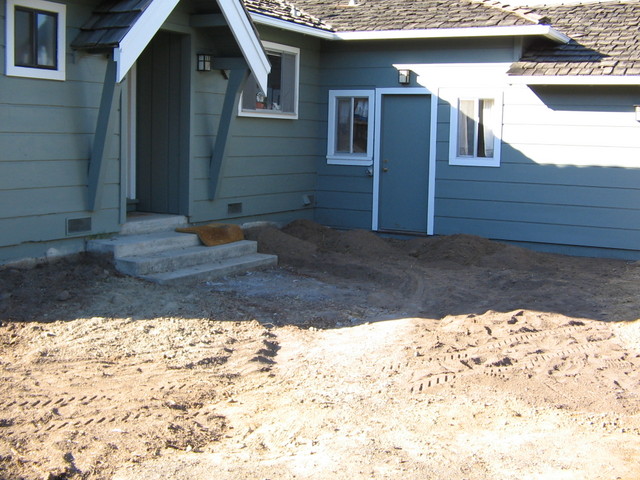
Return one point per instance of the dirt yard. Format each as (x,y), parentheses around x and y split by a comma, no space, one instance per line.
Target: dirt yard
(357,358)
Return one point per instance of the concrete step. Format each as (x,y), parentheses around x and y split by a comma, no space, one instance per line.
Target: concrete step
(214,269)
(178,259)
(129,245)
(140,224)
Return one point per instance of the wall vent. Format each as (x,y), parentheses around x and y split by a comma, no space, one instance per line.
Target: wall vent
(234,208)
(78,225)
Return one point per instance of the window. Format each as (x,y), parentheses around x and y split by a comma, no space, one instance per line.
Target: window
(350,135)
(281,98)
(35,39)
(476,123)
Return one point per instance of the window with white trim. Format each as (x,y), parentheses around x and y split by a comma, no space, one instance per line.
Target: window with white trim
(281,98)
(35,39)
(350,134)
(476,128)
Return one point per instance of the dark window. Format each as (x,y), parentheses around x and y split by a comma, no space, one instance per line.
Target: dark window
(36,39)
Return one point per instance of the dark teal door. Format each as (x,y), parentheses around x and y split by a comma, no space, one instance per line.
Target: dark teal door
(162,125)
(404,163)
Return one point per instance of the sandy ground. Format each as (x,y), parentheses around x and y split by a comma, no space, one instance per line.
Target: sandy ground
(358,357)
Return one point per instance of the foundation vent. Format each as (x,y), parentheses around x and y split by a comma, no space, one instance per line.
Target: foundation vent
(77,226)
(234,208)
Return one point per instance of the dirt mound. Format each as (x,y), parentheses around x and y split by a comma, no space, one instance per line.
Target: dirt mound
(290,249)
(311,232)
(460,248)
(361,243)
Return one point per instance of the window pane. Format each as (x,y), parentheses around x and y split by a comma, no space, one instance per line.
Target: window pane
(466,127)
(46,39)
(360,124)
(343,125)
(250,95)
(485,128)
(24,47)
(274,82)
(288,83)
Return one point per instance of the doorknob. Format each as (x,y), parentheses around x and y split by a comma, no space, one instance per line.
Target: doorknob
(385,169)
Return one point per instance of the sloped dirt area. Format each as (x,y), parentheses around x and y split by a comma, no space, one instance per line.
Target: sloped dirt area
(358,357)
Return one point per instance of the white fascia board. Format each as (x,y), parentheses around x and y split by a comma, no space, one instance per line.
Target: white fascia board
(574,80)
(524,30)
(292,27)
(247,40)
(136,39)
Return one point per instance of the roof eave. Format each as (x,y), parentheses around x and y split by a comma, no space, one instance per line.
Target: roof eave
(138,37)
(246,37)
(522,30)
(591,80)
(463,32)
(292,26)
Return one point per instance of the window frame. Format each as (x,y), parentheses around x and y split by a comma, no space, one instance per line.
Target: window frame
(474,160)
(341,158)
(13,70)
(276,48)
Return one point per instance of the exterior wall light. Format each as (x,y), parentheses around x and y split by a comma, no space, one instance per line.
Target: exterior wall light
(404,77)
(203,62)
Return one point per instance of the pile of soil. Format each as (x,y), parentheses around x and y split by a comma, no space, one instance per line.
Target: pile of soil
(358,357)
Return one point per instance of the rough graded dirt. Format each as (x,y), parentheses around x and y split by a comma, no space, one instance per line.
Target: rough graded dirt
(358,357)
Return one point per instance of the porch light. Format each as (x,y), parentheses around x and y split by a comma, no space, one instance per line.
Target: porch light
(203,63)
(404,77)
(637,108)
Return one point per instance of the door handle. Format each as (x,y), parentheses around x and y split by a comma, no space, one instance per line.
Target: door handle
(385,169)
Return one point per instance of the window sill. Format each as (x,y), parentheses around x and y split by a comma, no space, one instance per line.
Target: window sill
(268,114)
(355,161)
(475,162)
(39,73)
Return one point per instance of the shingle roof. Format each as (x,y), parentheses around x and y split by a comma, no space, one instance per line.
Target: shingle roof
(605,40)
(287,11)
(109,23)
(379,15)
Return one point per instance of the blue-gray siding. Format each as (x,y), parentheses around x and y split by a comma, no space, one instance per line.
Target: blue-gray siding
(345,193)
(46,132)
(270,164)
(570,172)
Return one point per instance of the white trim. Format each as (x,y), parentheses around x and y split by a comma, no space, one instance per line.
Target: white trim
(277,48)
(14,70)
(574,80)
(522,30)
(334,158)
(245,35)
(431,181)
(132,83)
(137,39)
(453,96)
(292,27)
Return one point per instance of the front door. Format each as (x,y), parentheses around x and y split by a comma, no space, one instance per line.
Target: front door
(404,163)
(162,125)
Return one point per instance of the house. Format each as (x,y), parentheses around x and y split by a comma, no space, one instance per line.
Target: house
(416,117)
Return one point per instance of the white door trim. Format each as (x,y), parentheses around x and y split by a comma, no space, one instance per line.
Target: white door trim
(431,181)
(132,83)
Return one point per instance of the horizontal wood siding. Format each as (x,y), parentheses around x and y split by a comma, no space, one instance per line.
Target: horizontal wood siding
(345,193)
(570,172)
(46,132)
(270,164)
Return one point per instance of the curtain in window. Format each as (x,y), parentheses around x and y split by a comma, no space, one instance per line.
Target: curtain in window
(466,128)
(249,101)
(288,83)
(485,128)
(343,125)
